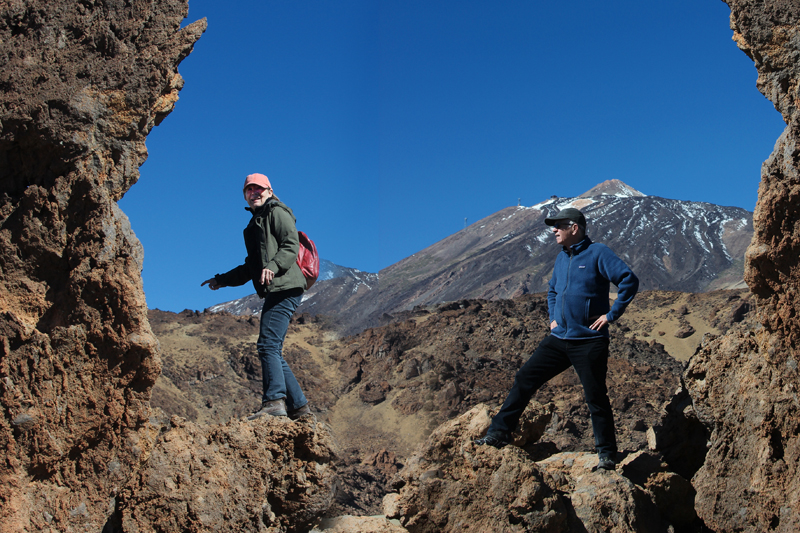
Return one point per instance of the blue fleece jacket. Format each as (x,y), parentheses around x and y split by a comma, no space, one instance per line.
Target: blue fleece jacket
(579,289)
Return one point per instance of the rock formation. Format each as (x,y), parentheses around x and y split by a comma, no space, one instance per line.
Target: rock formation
(242,476)
(83,83)
(745,384)
(453,485)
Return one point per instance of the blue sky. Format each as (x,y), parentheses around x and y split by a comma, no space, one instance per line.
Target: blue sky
(384,124)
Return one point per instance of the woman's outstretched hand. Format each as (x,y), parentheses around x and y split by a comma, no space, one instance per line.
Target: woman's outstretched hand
(212,284)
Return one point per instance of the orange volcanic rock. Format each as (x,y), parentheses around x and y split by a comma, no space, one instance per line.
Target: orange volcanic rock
(83,83)
(452,484)
(745,384)
(271,474)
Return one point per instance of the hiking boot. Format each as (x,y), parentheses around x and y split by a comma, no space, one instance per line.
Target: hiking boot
(606,463)
(300,412)
(496,440)
(272,407)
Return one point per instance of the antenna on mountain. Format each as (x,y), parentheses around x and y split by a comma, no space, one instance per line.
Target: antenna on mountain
(465,222)
(519,200)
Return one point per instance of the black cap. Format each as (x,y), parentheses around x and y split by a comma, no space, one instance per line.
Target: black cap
(569,213)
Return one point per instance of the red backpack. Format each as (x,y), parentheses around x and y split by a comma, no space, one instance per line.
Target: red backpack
(308,259)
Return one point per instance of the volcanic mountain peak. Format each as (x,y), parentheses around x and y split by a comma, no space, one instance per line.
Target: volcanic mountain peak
(615,188)
(612,188)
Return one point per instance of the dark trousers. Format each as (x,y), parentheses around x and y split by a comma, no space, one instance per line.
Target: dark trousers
(553,356)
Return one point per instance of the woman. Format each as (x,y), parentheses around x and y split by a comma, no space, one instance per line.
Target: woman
(271,264)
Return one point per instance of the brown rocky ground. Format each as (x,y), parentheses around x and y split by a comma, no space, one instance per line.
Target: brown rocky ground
(271,474)
(681,320)
(451,484)
(384,391)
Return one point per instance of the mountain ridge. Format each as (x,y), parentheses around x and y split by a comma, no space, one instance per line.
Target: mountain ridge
(670,244)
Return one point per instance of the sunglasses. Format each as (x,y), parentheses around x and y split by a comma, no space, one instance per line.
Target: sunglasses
(254,189)
(563,225)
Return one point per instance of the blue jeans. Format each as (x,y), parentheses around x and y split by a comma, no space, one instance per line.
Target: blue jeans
(278,380)
(551,357)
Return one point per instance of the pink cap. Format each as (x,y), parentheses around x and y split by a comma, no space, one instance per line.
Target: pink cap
(258,179)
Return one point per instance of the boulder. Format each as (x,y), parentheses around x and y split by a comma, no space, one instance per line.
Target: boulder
(452,484)
(270,474)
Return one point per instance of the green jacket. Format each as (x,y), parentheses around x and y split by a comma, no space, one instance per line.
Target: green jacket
(272,242)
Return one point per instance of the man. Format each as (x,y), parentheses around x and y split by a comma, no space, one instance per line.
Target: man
(578,304)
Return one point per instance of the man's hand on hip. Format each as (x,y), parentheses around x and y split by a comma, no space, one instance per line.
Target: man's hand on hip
(600,323)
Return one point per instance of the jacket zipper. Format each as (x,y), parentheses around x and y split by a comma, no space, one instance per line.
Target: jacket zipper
(569,269)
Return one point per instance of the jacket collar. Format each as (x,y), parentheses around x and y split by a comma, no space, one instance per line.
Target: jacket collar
(577,248)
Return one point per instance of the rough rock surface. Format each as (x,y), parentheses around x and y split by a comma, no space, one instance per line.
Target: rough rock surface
(271,474)
(749,480)
(361,524)
(745,384)
(451,484)
(83,83)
